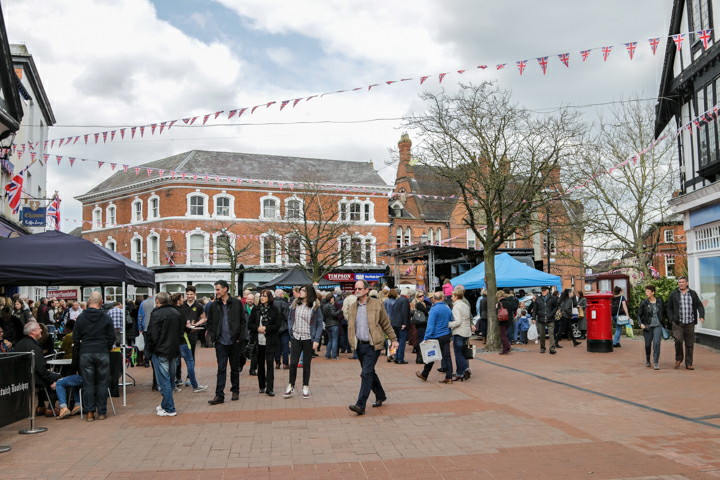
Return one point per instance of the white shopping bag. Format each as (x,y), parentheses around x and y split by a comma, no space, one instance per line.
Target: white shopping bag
(140,342)
(430,350)
(532,333)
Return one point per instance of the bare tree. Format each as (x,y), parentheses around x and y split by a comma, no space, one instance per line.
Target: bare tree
(318,231)
(228,250)
(504,160)
(625,194)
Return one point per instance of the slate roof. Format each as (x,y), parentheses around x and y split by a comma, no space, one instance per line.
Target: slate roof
(252,166)
(425,182)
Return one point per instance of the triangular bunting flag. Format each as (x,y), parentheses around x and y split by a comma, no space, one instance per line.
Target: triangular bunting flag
(152,128)
(72,160)
(149,171)
(565,58)
(58,157)
(192,120)
(217,114)
(295,102)
(112,135)
(162,127)
(137,170)
(461,71)
(631,49)
(270,103)
(705,36)
(122,133)
(373,85)
(543,61)
(205,118)
(142,131)
(241,111)
(253,109)
(500,66)
(284,104)
(100,164)
(61,142)
(104,137)
(231,114)
(585,54)
(521,64)
(441,76)
(423,78)
(112,166)
(132,132)
(678,39)
(606,52)
(76,139)
(97,137)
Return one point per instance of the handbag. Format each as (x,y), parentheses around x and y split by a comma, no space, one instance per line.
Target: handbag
(558,314)
(621,319)
(468,352)
(503,315)
(580,311)
(418,317)
(430,350)
(666,333)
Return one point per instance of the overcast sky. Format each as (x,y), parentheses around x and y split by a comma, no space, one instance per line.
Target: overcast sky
(115,63)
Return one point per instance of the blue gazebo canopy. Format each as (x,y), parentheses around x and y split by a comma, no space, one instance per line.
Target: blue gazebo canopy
(509,273)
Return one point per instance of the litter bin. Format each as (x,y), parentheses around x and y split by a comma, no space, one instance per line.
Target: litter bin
(599,322)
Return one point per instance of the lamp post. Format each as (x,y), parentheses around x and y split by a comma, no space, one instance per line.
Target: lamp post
(170,245)
(547,238)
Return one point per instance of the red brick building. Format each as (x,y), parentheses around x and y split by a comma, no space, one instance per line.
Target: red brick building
(669,245)
(172,214)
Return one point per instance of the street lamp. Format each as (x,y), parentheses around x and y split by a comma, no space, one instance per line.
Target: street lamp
(170,245)
(547,238)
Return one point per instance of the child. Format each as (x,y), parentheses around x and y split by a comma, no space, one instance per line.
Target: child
(521,328)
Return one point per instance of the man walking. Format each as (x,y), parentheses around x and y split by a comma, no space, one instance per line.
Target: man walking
(164,335)
(684,309)
(368,323)
(95,334)
(545,307)
(400,320)
(227,327)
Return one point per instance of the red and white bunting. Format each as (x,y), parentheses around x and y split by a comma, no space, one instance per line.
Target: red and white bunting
(678,39)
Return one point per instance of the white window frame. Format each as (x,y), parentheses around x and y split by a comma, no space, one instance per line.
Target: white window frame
(97,222)
(277,207)
(408,236)
(399,237)
(286,252)
(355,204)
(343,210)
(111,243)
(150,214)
(231,205)
(300,208)
(471,239)
(136,251)
(512,241)
(431,236)
(135,215)
(231,237)
(153,260)
(110,215)
(278,248)
(206,247)
(669,260)
(97,242)
(438,236)
(345,242)
(190,196)
(669,238)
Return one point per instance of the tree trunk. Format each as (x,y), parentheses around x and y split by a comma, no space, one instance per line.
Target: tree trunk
(493,329)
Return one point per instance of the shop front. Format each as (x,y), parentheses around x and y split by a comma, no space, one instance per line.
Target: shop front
(347,279)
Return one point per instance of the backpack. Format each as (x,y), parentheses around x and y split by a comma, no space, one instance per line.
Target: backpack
(503,315)
(418,317)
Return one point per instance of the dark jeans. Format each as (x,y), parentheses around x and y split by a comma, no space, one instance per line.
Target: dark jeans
(297,346)
(284,348)
(461,362)
(332,345)
(653,337)
(225,353)
(343,340)
(684,333)
(420,334)
(504,335)
(369,381)
(266,376)
(402,335)
(95,371)
(446,360)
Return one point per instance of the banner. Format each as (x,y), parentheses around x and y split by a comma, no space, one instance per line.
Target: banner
(32,215)
(15,387)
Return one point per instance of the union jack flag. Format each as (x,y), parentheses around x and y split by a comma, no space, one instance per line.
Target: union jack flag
(521,64)
(53,210)
(543,61)
(654,42)
(678,39)
(705,36)
(14,190)
(606,52)
(565,58)
(585,54)
(631,48)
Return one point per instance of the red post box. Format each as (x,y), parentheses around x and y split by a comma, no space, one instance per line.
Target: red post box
(599,322)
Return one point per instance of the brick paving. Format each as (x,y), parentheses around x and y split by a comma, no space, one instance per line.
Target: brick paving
(525,415)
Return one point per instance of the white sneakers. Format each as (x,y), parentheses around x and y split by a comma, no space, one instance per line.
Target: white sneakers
(289,391)
(200,388)
(160,412)
(306,391)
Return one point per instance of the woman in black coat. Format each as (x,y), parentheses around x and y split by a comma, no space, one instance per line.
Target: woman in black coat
(652,319)
(565,306)
(264,326)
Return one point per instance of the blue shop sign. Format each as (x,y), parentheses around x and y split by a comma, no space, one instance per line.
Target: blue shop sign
(370,277)
(32,218)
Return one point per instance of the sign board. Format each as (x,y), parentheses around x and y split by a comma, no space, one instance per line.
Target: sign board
(340,277)
(33,215)
(63,294)
(370,277)
(15,387)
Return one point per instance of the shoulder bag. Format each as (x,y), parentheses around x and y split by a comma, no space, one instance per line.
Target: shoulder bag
(622,319)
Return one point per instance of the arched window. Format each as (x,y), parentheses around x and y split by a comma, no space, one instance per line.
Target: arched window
(399,237)
(431,236)
(197,204)
(97,218)
(367,212)
(224,247)
(355,211)
(270,207)
(153,206)
(111,244)
(408,236)
(343,207)
(357,249)
(224,205)
(294,249)
(153,250)
(136,252)
(269,248)
(137,211)
(198,246)
(471,241)
(438,236)
(293,208)
(110,215)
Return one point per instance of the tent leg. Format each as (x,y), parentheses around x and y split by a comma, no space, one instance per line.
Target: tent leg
(123,348)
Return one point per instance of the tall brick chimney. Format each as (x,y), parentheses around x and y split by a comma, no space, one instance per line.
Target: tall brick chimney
(404,147)
(405,170)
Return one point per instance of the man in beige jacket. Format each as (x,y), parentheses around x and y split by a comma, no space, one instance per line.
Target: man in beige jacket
(368,323)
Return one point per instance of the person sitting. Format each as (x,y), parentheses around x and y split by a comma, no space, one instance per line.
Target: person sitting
(44,378)
(75,382)
(67,342)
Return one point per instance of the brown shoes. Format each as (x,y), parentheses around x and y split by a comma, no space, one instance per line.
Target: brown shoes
(690,367)
(89,417)
(421,376)
(64,412)
(235,396)
(677,364)
(446,380)
(102,417)
(216,401)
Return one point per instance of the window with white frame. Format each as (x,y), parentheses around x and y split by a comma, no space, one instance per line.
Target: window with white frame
(269,248)
(223,248)
(97,242)
(669,235)
(355,209)
(431,235)
(197,252)
(357,249)
(511,242)
(136,251)
(153,207)
(670,266)
(367,212)
(97,218)
(137,210)
(293,208)
(399,237)
(270,207)
(707,238)
(197,204)
(153,250)
(471,240)
(293,247)
(438,236)
(111,216)
(343,211)
(224,205)
(111,244)
(408,236)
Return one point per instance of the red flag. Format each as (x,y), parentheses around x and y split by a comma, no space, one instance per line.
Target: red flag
(125,168)
(45,144)
(100,164)
(122,133)
(152,128)
(461,71)
(112,166)
(72,160)
(45,157)
(76,139)
(162,127)
(241,111)
(142,131)
(254,108)
(270,103)
(86,139)
(14,190)
(137,170)
(97,137)
(192,120)
(112,135)
(295,102)
(171,124)
(390,82)
(61,142)
(58,157)
(149,171)
(500,66)
(631,49)
(231,114)
(606,52)
(217,114)
(132,132)
(284,104)
(310,97)
(441,76)
(482,67)
(678,39)
(205,118)
(423,78)
(104,136)
(160,173)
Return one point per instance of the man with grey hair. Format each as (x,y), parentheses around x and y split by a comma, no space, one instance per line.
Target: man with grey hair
(95,334)
(43,377)
(164,335)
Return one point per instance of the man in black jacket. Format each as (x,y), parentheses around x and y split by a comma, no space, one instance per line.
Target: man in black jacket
(684,309)
(95,335)
(545,307)
(400,320)
(164,334)
(227,327)
(43,377)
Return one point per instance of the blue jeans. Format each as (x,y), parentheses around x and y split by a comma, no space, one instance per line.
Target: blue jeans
(95,370)
(71,381)
(164,368)
(186,355)
(369,381)
(284,351)
(402,340)
(332,346)
(460,360)
(618,331)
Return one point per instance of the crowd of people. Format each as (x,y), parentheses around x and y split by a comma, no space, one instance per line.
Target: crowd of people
(273,331)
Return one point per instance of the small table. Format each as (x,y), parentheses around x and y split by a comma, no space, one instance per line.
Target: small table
(58,363)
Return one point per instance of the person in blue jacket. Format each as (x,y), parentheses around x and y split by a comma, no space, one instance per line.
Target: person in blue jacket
(437,329)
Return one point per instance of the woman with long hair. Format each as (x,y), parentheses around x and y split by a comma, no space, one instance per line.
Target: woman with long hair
(652,319)
(305,324)
(619,307)
(264,325)
(565,306)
